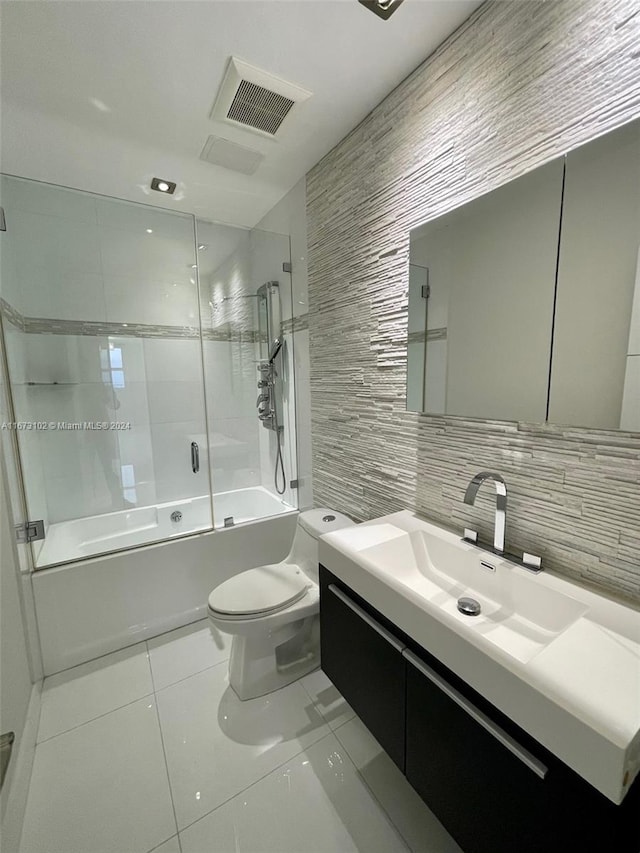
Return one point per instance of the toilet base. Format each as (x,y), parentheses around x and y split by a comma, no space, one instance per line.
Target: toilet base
(262,664)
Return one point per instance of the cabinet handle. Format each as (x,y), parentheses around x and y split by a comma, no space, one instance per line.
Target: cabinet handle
(366,618)
(195,457)
(498,733)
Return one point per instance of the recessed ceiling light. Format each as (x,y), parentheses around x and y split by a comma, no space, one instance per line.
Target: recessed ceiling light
(163,186)
(149,230)
(202,247)
(382,8)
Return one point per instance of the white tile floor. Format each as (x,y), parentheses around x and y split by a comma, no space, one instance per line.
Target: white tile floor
(148,749)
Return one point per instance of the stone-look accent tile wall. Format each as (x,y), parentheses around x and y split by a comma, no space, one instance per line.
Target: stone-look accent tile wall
(517,85)
(50,326)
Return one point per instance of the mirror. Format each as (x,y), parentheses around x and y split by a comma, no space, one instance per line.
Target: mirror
(595,372)
(520,302)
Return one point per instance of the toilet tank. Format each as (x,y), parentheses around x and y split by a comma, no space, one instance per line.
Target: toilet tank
(311,524)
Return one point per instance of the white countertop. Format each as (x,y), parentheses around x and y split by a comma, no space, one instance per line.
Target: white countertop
(579,696)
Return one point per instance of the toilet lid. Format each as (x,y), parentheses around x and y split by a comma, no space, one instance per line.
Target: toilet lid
(261,590)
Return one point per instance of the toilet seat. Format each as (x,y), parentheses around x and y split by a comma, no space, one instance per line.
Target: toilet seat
(256,592)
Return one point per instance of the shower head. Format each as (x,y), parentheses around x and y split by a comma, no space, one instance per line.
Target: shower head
(276,346)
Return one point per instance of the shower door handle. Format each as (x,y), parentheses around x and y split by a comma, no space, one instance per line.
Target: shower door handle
(195,457)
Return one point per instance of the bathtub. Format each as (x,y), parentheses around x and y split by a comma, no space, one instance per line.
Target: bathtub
(99,534)
(90,607)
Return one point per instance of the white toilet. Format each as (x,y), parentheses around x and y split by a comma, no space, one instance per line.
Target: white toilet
(272,612)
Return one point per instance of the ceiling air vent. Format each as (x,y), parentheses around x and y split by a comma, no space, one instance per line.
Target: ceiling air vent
(230,155)
(256,100)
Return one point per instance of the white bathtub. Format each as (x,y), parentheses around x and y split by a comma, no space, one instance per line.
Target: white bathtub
(94,606)
(99,534)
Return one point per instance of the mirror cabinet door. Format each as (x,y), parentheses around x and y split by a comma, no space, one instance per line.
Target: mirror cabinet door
(491,271)
(595,374)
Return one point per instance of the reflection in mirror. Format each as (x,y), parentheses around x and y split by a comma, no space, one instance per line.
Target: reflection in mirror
(417,337)
(488,325)
(595,375)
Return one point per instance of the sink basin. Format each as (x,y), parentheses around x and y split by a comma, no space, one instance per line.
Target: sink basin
(519,614)
(560,660)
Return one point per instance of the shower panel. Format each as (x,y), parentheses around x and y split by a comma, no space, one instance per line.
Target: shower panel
(269,403)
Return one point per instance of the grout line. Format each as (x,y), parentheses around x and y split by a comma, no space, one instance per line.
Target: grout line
(260,779)
(191,675)
(170,838)
(138,642)
(93,719)
(70,669)
(153,692)
(164,754)
(368,787)
(379,802)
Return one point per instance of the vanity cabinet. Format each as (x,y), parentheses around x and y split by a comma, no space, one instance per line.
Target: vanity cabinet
(493,787)
(364,661)
(486,787)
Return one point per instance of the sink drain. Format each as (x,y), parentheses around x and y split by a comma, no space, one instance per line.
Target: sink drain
(469,606)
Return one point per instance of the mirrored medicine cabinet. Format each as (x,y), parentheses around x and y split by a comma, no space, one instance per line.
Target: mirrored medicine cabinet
(524,304)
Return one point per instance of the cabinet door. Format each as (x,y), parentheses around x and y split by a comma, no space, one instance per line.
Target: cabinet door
(486,788)
(365,663)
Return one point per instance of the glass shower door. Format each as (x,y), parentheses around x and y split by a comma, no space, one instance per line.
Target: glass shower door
(246,304)
(101,316)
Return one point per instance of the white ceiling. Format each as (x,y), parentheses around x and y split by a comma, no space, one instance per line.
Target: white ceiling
(105,95)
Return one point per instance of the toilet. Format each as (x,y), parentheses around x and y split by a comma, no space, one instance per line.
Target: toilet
(272,612)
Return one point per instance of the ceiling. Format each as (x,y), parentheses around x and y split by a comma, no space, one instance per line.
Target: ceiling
(105,95)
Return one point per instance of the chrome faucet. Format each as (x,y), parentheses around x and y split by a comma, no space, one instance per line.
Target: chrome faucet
(501,504)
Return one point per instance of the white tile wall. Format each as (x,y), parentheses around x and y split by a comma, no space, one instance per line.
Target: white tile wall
(231,377)
(168,299)
(170,399)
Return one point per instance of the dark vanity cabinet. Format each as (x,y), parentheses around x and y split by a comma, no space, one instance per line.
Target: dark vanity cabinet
(493,787)
(477,778)
(364,661)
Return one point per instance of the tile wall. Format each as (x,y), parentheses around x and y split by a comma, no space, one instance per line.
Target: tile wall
(514,87)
